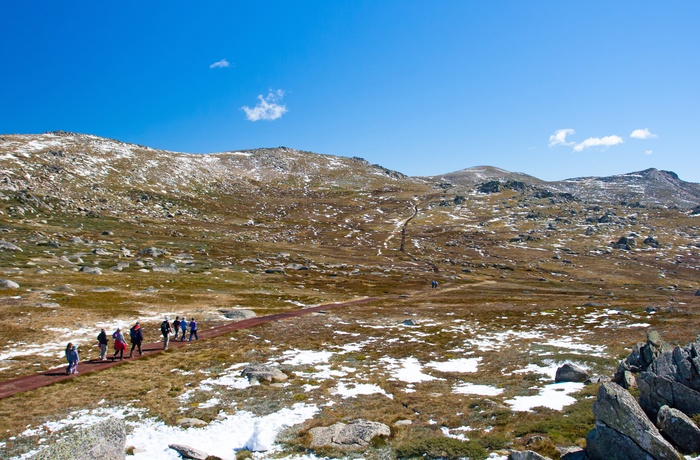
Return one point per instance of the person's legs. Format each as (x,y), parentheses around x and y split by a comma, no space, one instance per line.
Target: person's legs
(166,340)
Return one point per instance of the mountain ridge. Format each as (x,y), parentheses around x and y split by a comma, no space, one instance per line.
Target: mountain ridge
(59,163)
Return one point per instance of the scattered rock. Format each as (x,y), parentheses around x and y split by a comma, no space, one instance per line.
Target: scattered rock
(238,314)
(680,429)
(354,436)
(8,284)
(259,372)
(101,252)
(171,268)
(91,270)
(189,422)
(526,455)
(151,252)
(408,322)
(6,246)
(104,440)
(570,373)
(188,452)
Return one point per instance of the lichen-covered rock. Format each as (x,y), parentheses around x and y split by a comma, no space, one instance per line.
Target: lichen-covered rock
(256,373)
(353,436)
(618,410)
(105,440)
(680,429)
(8,284)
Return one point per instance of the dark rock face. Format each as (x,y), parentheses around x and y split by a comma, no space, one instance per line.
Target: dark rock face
(680,429)
(603,443)
(105,440)
(617,410)
(570,373)
(657,391)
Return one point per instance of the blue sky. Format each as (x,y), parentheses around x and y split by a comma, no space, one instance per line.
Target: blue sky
(555,89)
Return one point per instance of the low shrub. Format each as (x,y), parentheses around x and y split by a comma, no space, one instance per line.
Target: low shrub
(441,448)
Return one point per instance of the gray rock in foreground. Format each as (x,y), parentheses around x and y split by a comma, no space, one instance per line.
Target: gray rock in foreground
(188,452)
(570,373)
(259,372)
(619,411)
(603,443)
(105,440)
(680,429)
(526,455)
(353,436)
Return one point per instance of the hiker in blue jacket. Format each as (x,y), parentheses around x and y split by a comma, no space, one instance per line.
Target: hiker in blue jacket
(193,330)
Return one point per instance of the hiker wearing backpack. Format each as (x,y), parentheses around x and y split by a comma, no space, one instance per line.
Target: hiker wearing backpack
(102,343)
(165,329)
(119,344)
(136,336)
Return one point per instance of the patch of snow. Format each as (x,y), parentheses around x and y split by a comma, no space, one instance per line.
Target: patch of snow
(554,396)
(474,389)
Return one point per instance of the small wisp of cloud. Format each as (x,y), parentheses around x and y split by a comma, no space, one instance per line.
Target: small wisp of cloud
(643,134)
(648,152)
(222,64)
(269,107)
(559,137)
(606,141)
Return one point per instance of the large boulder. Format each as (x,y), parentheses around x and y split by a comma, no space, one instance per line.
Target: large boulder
(680,429)
(617,409)
(256,373)
(105,440)
(353,436)
(570,373)
(151,252)
(238,314)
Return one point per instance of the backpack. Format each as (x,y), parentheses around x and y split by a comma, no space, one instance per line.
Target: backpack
(132,334)
(165,327)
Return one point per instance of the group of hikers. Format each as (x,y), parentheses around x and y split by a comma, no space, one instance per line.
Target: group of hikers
(179,327)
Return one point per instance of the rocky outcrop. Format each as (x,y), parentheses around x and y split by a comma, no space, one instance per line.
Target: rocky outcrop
(570,373)
(105,440)
(353,436)
(617,410)
(260,372)
(642,356)
(680,429)
(658,426)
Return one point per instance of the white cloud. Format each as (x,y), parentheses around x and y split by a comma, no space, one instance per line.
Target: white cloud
(268,108)
(559,137)
(643,134)
(606,141)
(220,64)
(648,152)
